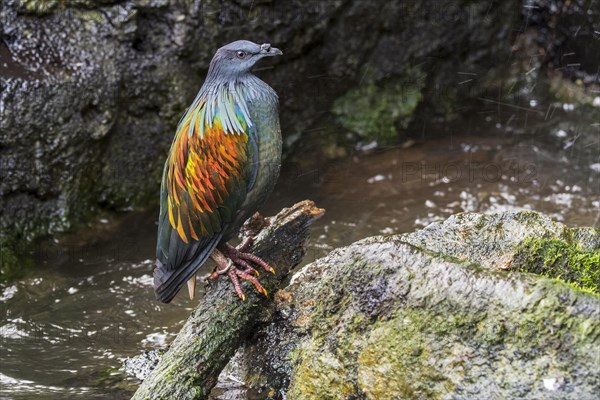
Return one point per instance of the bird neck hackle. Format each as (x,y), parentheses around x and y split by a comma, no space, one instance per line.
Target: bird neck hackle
(226,97)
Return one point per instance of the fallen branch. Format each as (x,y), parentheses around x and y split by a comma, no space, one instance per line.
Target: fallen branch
(221,322)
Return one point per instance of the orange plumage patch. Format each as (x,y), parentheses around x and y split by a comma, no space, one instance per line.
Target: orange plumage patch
(199,171)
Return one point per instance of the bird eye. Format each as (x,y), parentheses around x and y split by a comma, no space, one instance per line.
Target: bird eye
(240,54)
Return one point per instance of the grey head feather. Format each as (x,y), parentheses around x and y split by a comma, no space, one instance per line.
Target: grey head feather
(230,83)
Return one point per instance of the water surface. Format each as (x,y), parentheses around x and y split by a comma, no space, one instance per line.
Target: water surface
(88,302)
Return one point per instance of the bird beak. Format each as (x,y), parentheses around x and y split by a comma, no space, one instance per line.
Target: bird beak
(266,50)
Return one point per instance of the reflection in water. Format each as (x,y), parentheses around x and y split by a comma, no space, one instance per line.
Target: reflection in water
(89,302)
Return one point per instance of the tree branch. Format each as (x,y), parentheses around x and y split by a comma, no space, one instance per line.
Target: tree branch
(221,321)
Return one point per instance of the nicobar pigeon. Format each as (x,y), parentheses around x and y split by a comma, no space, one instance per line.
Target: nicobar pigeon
(223,164)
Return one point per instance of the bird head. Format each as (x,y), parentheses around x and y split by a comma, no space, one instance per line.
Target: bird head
(238,58)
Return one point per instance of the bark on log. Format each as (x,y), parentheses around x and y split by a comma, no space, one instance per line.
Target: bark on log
(221,321)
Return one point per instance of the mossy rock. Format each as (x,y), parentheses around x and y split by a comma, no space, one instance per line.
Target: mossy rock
(455,310)
(376,110)
(557,258)
(523,241)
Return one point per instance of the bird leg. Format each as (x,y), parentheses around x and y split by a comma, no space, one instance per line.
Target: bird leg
(228,258)
(223,264)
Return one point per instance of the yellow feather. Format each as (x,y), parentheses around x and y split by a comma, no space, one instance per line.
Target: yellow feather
(171,219)
(181,231)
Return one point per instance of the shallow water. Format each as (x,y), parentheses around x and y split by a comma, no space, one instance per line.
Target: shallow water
(88,301)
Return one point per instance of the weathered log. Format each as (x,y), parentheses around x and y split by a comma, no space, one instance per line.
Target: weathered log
(221,321)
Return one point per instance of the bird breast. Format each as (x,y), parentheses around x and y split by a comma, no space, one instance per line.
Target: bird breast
(265,117)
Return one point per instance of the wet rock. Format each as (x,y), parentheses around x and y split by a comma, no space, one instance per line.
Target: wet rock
(92,90)
(449,311)
(141,366)
(380,111)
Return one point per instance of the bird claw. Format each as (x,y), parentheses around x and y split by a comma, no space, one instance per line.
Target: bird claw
(231,255)
(242,258)
(235,274)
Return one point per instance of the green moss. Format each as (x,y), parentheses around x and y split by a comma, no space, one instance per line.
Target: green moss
(376,110)
(320,375)
(565,337)
(41,7)
(38,6)
(91,15)
(428,353)
(396,362)
(556,258)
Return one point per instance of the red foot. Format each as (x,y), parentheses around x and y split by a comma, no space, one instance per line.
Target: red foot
(227,257)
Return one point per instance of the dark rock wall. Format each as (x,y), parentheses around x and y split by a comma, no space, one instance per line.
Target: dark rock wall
(92,90)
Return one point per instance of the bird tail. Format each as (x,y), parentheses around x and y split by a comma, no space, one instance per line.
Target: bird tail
(168,282)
